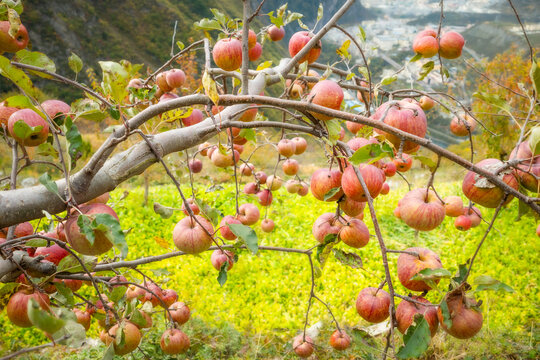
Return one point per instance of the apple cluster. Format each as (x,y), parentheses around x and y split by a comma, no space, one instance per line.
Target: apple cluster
(428,44)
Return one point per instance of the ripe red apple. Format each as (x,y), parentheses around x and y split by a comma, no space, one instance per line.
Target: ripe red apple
(426,45)
(267,225)
(261,177)
(286,147)
(17,307)
(179,312)
(55,108)
(389,168)
(227,54)
(354,233)
(273,182)
(373,177)
(150,297)
(353,127)
(324,180)
(32,119)
(248,214)
(406,116)
(193,205)
(175,78)
(174,341)
(304,189)
(474,214)
(361,94)
(404,163)
(246,169)
(204,147)
(458,125)
(224,229)
(53,253)
(303,346)
(538,230)
(466,321)
(5,113)
(276,33)
(529,169)
(255,52)
(12,44)
(359,142)
(161,82)
(167,96)
(22,229)
(135,84)
(324,225)
(301,145)
(421,210)
(479,190)
(410,265)
(351,207)
(252,39)
(265,197)
(219,257)
(190,237)
(195,165)
(79,241)
(453,206)
(130,334)
(373,305)
(251,188)
(169,297)
(385,189)
(406,310)
(340,340)
(298,41)
(224,160)
(463,223)
(290,167)
(83,318)
(195,117)
(451,44)
(135,292)
(326,93)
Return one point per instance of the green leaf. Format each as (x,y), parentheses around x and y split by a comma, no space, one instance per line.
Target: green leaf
(371,153)
(388,80)
(88,109)
(77,146)
(42,319)
(163,211)
(334,129)
(180,45)
(76,333)
(36,242)
(320,12)
(47,149)
(22,102)
(432,274)
(222,276)
(331,193)
(485,282)
(534,140)
(75,63)
(109,353)
(324,249)
(348,258)
(108,224)
(137,317)
(362,33)
(426,69)
(426,161)
(17,76)
(493,99)
(85,225)
(115,80)
(117,293)
(23,131)
(446,314)
(37,59)
(64,294)
(534,73)
(207,24)
(249,134)
(5,293)
(416,339)
(246,234)
(71,265)
(264,65)
(416,58)
(461,274)
(45,180)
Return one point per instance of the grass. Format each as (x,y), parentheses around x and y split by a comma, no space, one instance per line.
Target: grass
(262,305)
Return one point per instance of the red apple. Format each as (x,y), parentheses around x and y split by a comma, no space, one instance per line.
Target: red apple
(169,297)
(195,165)
(427,46)
(474,214)
(83,318)
(204,147)
(351,207)
(130,334)
(385,189)
(22,229)
(409,265)
(358,142)
(193,205)
(298,41)
(290,167)
(453,206)
(53,253)
(265,197)
(422,210)
(373,177)
(324,225)
(79,241)
(255,52)
(479,190)
(246,169)
(463,223)
(353,127)
(373,305)
(529,169)
(324,180)
(195,117)
(301,145)
(406,116)
(404,163)
(354,233)
(5,113)
(226,233)
(286,147)
(161,82)
(303,346)
(466,320)
(32,119)
(340,340)
(406,310)
(458,126)
(15,43)
(224,160)
(135,84)
(267,225)
(248,214)
(389,168)
(167,96)
(174,341)
(190,237)
(304,189)
(326,93)
(276,33)
(227,54)
(219,257)
(175,78)
(451,44)
(17,307)
(55,108)
(179,312)
(251,188)
(261,177)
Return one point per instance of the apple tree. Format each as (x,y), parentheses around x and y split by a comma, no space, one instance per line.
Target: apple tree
(58,236)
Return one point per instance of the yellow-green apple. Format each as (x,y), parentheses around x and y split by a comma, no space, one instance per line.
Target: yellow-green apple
(273,182)
(426,103)
(292,186)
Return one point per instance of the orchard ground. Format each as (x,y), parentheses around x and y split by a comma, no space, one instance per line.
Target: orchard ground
(263,303)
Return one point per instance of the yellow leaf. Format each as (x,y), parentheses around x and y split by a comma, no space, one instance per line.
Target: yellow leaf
(161,242)
(210,87)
